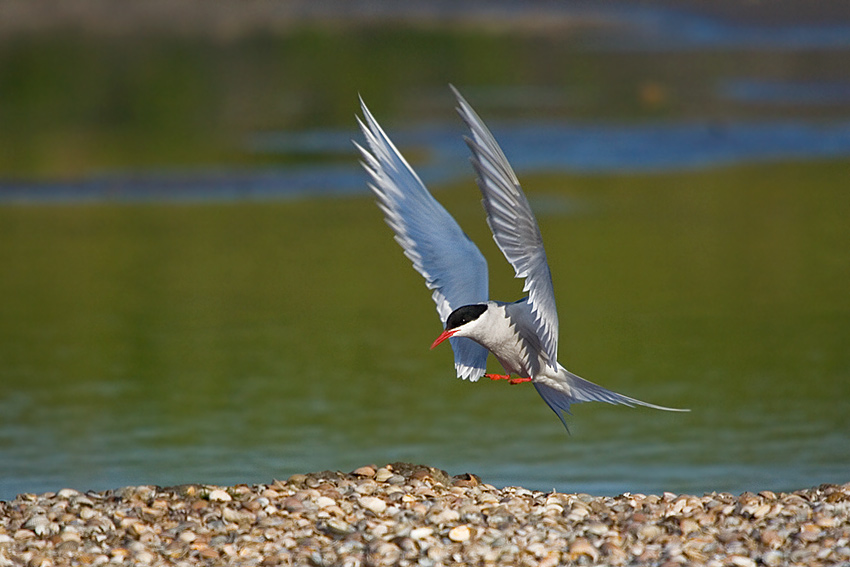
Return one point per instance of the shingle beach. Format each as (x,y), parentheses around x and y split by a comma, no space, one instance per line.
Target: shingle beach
(403,514)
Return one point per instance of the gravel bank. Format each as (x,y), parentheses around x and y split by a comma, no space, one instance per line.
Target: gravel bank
(403,514)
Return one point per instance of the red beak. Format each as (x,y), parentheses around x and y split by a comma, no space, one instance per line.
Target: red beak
(443,336)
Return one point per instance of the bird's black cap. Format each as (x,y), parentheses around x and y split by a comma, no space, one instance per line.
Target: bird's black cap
(465,314)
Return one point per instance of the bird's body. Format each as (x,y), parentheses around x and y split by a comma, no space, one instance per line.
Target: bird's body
(523,335)
(503,330)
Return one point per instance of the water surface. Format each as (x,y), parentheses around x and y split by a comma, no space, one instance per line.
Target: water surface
(196,287)
(532,145)
(227,343)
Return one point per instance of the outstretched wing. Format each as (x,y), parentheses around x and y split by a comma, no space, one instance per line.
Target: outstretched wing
(451,264)
(514,227)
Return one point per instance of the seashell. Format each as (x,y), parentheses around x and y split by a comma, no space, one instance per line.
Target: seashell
(460,533)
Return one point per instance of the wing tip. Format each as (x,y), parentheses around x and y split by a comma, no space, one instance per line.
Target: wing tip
(471,373)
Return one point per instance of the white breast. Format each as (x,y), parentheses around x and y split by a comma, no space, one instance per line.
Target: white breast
(505,330)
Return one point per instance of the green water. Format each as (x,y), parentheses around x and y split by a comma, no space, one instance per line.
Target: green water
(77,104)
(240,342)
(248,341)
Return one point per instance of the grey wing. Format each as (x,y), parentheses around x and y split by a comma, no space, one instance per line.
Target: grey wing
(451,264)
(514,227)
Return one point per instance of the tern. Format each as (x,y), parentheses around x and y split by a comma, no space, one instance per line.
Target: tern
(523,335)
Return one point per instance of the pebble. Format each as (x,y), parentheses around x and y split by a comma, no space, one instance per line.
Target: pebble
(383,475)
(376,505)
(404,514)
(219,495)
(583,547)
(460,533)
(421,533)
(364,471)
(325,502)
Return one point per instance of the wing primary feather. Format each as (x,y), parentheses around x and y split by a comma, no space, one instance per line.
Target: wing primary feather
(453,267)
(514,226)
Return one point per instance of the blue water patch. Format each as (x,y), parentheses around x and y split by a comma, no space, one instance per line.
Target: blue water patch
(653,28)
(190,186)
(793,93)
(659,147)
(532,147)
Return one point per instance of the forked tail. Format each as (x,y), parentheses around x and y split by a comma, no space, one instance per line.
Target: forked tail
(566,389)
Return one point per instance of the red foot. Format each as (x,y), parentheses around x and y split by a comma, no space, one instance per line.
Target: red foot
(508,378)
(498,376)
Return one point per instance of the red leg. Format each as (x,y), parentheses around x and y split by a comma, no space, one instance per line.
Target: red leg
(498,376)
(520,380)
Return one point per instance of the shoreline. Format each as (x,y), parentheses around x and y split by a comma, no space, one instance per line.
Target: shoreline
(405,514)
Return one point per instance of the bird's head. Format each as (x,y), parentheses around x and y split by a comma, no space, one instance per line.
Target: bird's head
(461,322)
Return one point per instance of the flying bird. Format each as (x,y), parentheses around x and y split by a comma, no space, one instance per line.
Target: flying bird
(523,335)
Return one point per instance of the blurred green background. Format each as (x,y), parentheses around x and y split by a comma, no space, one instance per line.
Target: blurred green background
(151,339)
